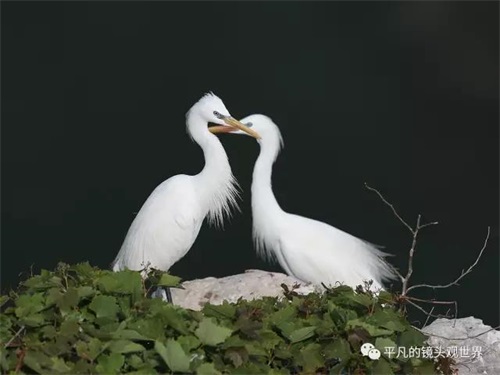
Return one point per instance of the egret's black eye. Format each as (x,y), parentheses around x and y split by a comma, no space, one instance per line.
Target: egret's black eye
(248,124)
(218,115)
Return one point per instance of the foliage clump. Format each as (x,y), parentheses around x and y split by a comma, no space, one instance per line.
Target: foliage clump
(80,319)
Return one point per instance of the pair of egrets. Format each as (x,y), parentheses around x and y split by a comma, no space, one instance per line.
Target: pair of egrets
(169,221)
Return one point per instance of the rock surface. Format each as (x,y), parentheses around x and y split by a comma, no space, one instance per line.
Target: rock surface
(253,284)
(480,343)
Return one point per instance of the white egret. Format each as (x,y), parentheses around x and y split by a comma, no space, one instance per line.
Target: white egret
(307,249)
(169,221)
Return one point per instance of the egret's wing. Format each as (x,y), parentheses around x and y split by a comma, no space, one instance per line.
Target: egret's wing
(165,227)
(280,257)
(320,253)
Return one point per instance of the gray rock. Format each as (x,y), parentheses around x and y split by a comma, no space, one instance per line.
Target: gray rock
(480,343)
(253,284)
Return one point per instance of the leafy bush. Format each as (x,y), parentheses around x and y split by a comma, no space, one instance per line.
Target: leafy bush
(80,319)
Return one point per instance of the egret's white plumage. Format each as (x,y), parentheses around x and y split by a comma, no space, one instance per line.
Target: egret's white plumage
(169,221)
(307,249)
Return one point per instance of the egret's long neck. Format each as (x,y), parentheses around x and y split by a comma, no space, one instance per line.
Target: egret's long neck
(216,185)
(264,202)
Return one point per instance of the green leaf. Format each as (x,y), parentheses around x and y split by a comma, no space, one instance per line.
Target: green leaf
(37,361)
(254,348)
(340,316)
(128,334)
(125,346)
(207,369)
(225,310)
(59,366)
(4,300)
(135,361)
(381,343)
(173,355)
(395,326)
(385,297)
(110,364)
(251,368)
(33,320)
(173,318)
(283,315)
(287,328)
(212,334)
(84,269)
(153,329)
(311,358)
(282,352)
(425,368)
(278,372)
(371,329)
(302,334)
(389,319)
(248,327)
(96,347)
(42,282)
(29,304)
(234,342)
(123,282)
(189,342)
(412,337)
(169,280)
(104,306)
(68,300)
(338,349)
(237,356)
(90,350)
(5,328)
(269,339)
(382,366)
(362,299)
(85,291)
(69,328)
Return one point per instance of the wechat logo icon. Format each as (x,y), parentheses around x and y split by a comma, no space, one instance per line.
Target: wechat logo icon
(369,350)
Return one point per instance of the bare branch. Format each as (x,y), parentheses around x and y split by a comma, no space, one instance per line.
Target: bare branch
(391,207)
(428,316)
(428,224)
(458,338)
(464,273)
(433,301)
(427,312)
(406,279)
(395,270)
(14,337)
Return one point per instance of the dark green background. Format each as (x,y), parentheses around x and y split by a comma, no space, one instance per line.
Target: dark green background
(402,95)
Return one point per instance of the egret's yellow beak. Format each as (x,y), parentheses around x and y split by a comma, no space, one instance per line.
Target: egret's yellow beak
(233,126)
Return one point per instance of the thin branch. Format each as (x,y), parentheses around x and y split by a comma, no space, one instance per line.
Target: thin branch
(425,311)
(406,279)
(391,207)
(428,316)
(463,273)
(433,301)
(428,224)
(395,270)
(458,338)
(410,258)
(417,229)
(14,337)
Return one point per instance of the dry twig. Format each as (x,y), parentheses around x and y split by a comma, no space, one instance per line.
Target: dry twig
(406,279)
(14,337)
(463,273)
